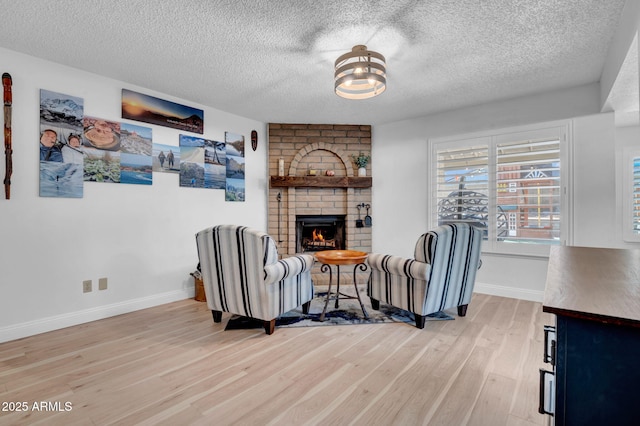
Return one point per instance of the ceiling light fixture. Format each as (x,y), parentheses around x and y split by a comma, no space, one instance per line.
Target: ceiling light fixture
(360,74)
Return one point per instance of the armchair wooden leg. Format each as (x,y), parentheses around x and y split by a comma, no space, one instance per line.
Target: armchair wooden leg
(217,316)
(270,326)
(419,321)
(375,304)
(305,307)
(462,310)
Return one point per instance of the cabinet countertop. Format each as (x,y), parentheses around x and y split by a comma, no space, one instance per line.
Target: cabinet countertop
(599,284)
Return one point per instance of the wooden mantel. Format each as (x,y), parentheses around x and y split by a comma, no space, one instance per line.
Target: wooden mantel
(322,181)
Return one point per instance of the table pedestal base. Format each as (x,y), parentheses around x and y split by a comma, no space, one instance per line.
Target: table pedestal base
(338,295)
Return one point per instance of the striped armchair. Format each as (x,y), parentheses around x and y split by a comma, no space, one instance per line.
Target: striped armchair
(241,274)
(440,277)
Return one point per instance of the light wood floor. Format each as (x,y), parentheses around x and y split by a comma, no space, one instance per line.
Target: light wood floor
(172,365)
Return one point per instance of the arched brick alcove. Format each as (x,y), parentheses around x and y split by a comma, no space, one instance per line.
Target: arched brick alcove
(336,152)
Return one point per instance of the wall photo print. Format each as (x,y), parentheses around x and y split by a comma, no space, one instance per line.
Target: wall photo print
(191,162)
(61,154)
(136,144)
(101,145)
(202,163)
(166,158)
(214,164)
(116,152)
(152,110)
(235,184)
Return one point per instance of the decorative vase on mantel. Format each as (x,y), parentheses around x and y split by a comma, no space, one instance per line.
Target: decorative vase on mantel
(361,161)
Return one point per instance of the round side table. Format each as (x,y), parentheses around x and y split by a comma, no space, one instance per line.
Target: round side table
(338,258)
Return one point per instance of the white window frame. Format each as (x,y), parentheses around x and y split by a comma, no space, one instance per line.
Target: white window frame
(629,153)
(560,129)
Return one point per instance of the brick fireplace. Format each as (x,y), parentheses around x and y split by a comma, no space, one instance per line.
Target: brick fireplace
(308,152)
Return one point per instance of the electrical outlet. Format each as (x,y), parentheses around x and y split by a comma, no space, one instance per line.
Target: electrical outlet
(86,286)
(102,284)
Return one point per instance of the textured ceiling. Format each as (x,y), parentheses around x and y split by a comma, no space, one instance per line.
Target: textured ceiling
(272,60)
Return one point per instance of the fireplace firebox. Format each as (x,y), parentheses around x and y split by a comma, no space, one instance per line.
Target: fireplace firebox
(320,232)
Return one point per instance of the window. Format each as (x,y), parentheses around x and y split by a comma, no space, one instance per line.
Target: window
(462,183)
(509,184)
(631,203)
(635,210)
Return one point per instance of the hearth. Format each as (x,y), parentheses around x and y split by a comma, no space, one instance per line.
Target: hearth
(320,232)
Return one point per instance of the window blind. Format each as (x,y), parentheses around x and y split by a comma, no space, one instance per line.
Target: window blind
(463,185)
(528,185)
(635,206)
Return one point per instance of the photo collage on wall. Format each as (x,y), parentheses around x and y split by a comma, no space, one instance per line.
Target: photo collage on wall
(75,148)
(61,156)
(202,163)
(235,187)
(116,152)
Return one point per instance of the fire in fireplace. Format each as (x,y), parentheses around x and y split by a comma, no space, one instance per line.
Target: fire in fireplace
(320,232)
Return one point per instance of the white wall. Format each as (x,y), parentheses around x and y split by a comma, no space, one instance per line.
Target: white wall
(594,182)
(140,237)
(399,167)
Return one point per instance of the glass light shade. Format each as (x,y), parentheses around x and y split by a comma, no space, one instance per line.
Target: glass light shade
(360,74)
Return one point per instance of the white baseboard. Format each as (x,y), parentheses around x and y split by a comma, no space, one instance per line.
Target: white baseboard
(511,292)
(57,322)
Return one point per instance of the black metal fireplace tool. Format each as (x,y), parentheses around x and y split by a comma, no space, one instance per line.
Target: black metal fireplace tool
(367,218)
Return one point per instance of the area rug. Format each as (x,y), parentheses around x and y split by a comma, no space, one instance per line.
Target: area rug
(347,313)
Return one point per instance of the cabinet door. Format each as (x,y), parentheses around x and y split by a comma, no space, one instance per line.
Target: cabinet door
(597,373)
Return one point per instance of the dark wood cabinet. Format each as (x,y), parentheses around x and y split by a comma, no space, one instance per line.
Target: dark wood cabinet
(595,296)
